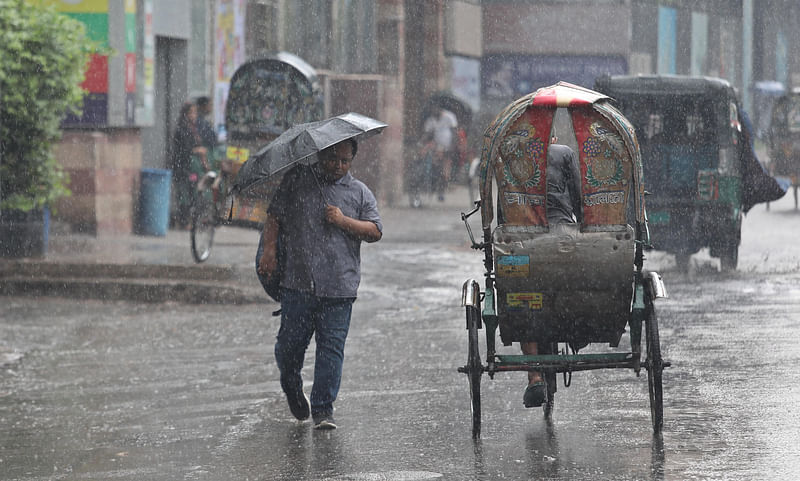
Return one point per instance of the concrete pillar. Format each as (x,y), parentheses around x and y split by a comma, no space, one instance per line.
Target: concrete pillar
(103,168)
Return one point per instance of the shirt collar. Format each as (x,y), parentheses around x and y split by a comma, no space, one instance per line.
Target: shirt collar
(346,179)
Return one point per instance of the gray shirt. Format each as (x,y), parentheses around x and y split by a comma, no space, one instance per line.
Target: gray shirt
(321,258)
(563,185)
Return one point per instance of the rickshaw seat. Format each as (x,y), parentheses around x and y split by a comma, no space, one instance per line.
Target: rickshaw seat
(565,284)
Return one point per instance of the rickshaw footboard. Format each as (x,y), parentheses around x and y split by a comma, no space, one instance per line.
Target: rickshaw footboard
(564,362)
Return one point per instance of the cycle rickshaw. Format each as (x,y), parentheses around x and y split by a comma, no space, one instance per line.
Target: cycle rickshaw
(266,97)
(562,284)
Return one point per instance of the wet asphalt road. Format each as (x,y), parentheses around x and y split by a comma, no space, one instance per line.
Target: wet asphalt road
(116,390)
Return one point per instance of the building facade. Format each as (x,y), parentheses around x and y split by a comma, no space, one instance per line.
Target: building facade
(384,58)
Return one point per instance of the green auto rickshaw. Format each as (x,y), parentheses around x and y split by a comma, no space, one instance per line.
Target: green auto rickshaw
(698,159)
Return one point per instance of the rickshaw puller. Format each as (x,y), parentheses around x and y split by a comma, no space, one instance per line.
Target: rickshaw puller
(563,206)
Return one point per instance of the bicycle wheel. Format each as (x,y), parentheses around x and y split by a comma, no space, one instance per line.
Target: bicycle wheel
(474,369)
(655,367)
(204,222)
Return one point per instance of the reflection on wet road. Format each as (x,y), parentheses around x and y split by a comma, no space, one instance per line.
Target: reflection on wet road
(165,392)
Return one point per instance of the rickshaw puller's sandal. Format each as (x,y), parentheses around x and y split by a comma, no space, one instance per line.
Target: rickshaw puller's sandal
(535,394)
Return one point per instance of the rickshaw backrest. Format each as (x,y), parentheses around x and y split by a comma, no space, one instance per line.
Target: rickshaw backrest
(564,284)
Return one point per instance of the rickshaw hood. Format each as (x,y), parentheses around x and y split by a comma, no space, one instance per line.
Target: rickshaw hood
(560,95)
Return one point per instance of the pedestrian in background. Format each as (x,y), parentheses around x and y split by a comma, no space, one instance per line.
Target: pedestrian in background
(187,147)
(322,214)
(204,126)
(441,129)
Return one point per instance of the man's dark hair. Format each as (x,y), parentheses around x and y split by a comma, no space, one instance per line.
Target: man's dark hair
(353,144)
(203,101)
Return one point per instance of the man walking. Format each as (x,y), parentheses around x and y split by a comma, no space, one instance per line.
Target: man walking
(441,129)
(322,214)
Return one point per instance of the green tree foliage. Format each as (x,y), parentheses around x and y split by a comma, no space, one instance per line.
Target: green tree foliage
(43,57)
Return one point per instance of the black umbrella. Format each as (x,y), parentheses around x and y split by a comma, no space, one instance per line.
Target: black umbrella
(300,144)
(448,101)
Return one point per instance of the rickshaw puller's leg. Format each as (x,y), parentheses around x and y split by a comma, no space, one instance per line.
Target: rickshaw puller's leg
(536,392)
(531,349)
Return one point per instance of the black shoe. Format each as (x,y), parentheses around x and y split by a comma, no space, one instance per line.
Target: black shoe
(535,395)
(298,404)
(324,422)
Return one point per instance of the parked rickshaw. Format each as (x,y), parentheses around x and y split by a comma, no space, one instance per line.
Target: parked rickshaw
(784,139)
(266,97)
(565,285)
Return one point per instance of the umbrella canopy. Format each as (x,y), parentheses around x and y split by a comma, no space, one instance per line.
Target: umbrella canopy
(300,144)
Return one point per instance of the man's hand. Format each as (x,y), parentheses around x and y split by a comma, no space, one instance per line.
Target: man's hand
(267,263)
(333,215)
(360,229)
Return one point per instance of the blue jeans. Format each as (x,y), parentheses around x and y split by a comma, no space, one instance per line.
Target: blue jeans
(328,320)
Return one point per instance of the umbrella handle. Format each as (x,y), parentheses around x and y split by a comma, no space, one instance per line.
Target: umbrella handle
(319,186)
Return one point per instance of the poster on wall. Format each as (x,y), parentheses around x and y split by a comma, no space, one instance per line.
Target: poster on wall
(699,44)
(466,80)
(667,40)
(130,62)
(230,51)
(146,106)
(94,16)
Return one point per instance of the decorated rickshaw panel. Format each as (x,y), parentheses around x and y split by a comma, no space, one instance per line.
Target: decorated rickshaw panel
(625,128)
(492,139)
(520,168)
(606,169)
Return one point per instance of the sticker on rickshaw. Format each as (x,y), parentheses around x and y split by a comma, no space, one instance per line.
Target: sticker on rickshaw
(522,300)
(513,266)
(598,198)
(521,198)
(237,154)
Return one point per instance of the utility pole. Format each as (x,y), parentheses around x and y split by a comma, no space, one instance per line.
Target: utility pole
(747,52)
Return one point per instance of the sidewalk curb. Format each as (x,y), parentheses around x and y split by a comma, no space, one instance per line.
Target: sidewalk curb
(28,268)
(142,283)
(152,291)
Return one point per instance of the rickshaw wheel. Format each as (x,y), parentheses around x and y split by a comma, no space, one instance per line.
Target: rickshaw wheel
(474,369)
(204,216)
(655,367)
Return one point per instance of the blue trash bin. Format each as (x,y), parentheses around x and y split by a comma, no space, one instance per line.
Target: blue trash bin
(154,198)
